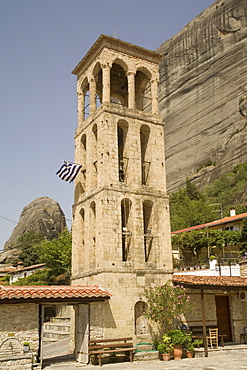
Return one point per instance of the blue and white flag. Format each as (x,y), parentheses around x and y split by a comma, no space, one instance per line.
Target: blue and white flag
(69,171)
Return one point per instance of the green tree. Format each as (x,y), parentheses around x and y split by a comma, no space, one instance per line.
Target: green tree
(192,241)
(225,189)
(186,212)
(192,190)
(28,245)
(195,240)
(56,254)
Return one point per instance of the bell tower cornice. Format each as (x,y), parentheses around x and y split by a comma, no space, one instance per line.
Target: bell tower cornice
(114,44)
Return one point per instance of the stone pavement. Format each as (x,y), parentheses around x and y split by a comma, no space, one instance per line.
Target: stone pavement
(224,360)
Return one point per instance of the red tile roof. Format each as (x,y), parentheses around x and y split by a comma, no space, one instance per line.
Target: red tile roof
(195,281)
(56,292)
(32,267)
(7,269)
(213,223)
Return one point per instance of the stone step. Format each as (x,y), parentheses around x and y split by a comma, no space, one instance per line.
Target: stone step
(49,340)
(55,334)
(60,319)
(65,326)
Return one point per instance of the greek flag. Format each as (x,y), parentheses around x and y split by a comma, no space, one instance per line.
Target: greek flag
(69,171)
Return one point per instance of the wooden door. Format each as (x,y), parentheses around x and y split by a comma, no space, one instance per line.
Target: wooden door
(82,333)
(223,317)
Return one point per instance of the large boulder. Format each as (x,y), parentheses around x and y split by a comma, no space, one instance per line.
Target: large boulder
(203,95)
(44,216)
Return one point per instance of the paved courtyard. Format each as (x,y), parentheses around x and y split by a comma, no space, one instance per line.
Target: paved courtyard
(223,360)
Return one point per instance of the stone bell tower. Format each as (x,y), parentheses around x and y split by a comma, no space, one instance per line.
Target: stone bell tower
(121,227)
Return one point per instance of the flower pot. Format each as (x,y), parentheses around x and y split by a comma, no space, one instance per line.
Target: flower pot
(177,352)
(166,356)
(189,354)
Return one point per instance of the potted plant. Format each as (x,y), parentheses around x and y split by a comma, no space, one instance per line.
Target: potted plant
(190,345)
(26,347)
(190,351)
(165,347)
(178,338)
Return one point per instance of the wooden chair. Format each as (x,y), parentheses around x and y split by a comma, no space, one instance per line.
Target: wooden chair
(212,339)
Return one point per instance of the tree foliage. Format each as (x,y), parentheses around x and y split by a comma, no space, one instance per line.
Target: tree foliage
(166,304)
(190,206)
(56,255)
(28,244)
(195,240)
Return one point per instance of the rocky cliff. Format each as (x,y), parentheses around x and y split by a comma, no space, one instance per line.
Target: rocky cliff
(203,94)
(43,215)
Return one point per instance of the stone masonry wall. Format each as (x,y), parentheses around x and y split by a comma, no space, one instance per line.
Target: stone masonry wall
(17,363)
(116,316)
(19,323)
(238,311)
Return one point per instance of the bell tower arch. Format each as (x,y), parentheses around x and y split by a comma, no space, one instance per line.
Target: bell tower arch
(121,227)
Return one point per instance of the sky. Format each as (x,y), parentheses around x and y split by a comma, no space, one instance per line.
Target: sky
(41,41)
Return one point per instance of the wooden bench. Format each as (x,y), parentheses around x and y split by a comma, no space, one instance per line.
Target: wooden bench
(100,347)
(197,332)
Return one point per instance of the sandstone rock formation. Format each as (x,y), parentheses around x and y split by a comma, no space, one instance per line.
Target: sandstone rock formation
(203,94)
(43,215)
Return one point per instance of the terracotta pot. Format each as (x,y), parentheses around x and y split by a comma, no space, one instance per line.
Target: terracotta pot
(189,354)
(166,356)
(177,352)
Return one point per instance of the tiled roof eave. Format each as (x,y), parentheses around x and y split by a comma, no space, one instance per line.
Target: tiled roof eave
(222,221)
(53,300)
(211,282)
(59,293)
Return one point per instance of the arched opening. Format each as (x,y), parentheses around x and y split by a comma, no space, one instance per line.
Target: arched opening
(122,159)
(86,98)
(147,228)
(97,73)
(82,225)
(78,191)
(118,85)
(145,153)
(94,154)
(83,159)
(93,234)
(141,323)
(126,231)
(143,91)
